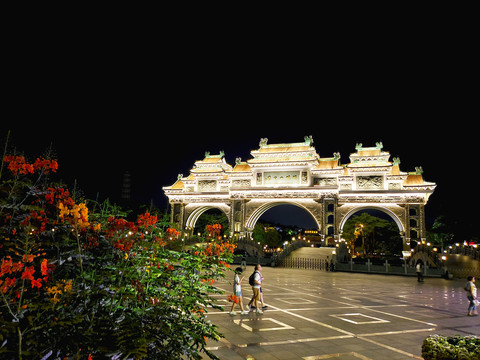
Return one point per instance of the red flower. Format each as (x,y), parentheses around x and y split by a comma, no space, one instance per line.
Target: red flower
(233,298)
(6,267)
(37,283)
(146,220)
(44,267)
(18,266)
(214,230)
(9,282)
(18,164)
(172,232)
(28,273)
(45,165)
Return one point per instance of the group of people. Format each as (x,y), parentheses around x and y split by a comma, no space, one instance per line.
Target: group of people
(257,297)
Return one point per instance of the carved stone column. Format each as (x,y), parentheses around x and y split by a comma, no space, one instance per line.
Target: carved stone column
(177,216)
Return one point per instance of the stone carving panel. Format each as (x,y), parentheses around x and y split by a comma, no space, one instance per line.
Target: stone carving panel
(207,185)
(369,182)
(241,183)
(327,181)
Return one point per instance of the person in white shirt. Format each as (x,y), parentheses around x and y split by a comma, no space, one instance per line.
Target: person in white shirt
(256,288)
(419,271)
(471,296)
(237,292)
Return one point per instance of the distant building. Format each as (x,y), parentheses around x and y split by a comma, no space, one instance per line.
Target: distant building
(313,237)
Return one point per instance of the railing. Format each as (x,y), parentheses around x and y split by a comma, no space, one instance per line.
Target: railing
(252,260)
(278,258)
(387,268)
(473,252)
(363,267)
(306,263)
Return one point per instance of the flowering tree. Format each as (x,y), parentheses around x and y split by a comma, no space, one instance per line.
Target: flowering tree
(77,283)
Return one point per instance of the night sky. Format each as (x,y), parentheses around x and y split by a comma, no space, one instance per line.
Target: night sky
(105,114)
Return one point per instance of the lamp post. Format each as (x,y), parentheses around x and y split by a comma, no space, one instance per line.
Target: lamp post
(359,231)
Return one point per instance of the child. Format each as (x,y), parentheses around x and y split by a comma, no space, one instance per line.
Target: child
(237,292)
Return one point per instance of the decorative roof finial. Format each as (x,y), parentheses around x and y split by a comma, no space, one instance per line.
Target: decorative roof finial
(379,145)
(238,160)
(263,142)
(419,170)
(308,140)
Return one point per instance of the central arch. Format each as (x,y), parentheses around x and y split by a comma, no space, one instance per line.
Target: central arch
(258,212)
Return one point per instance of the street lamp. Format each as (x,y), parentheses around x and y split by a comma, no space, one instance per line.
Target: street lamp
(359,231)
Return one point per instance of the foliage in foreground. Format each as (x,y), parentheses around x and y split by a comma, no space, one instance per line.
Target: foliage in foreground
(438,347)
(78,280)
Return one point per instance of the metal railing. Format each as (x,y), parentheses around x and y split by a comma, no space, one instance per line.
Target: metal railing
(473,252)
(306,263)
(387,268)
(363,267)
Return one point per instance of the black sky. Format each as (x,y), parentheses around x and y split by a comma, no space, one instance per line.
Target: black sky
(154,110)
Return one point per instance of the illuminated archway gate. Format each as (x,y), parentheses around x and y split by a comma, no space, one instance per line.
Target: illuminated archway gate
(295,174)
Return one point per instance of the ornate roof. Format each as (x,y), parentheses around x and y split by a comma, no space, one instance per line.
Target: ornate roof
(369,156)
(211,164)
(284,153)
(299,165)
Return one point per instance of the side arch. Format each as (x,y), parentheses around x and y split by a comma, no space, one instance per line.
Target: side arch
(194,214)
(395,217)
(260,210)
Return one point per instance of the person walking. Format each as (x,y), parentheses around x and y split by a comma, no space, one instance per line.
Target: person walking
(244,261)
(419,269)
(261,291)
(237,292)
(471,290)
(256,284)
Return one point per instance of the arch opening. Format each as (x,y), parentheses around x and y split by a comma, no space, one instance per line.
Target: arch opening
(260,211)
(192,219)
(372,231)
(276,224)
(391,216)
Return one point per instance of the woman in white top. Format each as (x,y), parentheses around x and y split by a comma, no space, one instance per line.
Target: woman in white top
(237,292)
(471,295)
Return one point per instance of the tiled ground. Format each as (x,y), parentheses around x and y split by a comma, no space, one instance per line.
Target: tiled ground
(321,315)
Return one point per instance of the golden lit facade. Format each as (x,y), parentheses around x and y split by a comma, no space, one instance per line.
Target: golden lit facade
(295,174)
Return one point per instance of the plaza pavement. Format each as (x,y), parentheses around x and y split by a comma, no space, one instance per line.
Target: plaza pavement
(323,315)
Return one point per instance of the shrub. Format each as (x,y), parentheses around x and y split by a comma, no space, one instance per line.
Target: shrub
(77,283)
(437,347)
